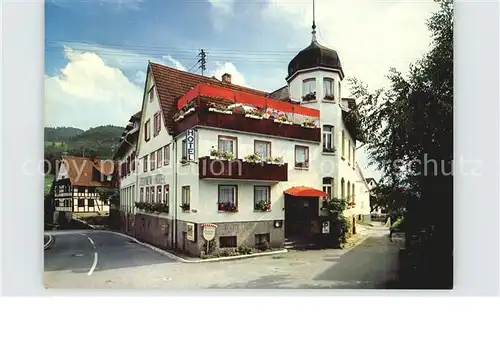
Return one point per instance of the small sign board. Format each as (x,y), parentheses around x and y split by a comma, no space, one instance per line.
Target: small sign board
(325,228)
(190,232)
(209,232)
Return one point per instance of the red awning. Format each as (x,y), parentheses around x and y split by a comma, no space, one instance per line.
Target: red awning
(305,192)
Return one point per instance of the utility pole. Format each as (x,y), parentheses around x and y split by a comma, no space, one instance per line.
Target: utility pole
(202,61)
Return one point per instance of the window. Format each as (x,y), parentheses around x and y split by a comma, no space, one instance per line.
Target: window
(328,186)
(228,241)
(342,189)
(152,160)
(148,199)
(151,94)
(308,86)
(301,156)
(262,238)
(166,155)
(228,196)
(353,155)
(343,144)
(348,191)
(159,156)
(353,193)
(147,130)
(91,202)
(328,89)
(186,198)
(157,122)
(349,151)
(145,163)
(184,149)
(328,139)
(81,202)
(165,194)
(340,92)
(228,144)
(133,159)
(153,199)
(262,148)
(261,197)
(159,197)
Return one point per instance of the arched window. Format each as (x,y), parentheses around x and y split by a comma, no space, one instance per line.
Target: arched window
(328,186)
(342,188)
(353,193)
(343,144)
(328,85)
(348,191)
(328,138)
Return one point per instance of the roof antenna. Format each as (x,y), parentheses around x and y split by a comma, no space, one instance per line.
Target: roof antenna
(314,24)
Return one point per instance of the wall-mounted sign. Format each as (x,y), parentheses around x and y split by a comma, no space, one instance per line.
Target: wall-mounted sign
(159,179)
(190,232)
(208,231)
(190,144)
(325,227)
(145,181)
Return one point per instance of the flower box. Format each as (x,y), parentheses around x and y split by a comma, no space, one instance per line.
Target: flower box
(249,115)
(263,206)
(309,97)
(282,122)
(213,109)
(227,207)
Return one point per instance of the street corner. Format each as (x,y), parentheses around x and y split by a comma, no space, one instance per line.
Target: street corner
(48,241)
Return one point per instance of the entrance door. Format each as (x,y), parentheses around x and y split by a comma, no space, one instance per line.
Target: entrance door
(299,214)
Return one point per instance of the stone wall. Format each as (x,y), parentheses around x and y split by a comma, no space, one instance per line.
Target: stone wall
(153,230)
(244,231)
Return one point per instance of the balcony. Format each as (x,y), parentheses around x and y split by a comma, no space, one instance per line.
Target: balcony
(241,170)
(224,108)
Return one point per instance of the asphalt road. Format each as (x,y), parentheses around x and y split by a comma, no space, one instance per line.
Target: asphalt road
(103,260)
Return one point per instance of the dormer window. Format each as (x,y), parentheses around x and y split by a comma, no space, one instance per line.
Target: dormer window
(328,89)
(309,89)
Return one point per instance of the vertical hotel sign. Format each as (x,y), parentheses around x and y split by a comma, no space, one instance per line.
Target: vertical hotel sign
(190,144)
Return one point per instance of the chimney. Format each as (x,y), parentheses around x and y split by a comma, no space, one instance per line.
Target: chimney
(226,78)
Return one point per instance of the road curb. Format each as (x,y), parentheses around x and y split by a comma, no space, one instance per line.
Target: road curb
(49,243)
(183,260)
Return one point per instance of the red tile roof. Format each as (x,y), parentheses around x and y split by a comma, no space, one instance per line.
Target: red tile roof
(84,171)
(171,84)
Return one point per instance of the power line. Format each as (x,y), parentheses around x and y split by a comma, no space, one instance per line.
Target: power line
(166,48)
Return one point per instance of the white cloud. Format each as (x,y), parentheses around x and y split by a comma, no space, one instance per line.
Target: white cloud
(370,36)
(87,92)
(175,62)
(223,7)
(228,67)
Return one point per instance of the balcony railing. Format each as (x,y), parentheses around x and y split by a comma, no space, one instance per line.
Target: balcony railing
(241,170)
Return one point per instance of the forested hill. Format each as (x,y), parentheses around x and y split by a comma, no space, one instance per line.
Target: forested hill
(61,133)
(99,141)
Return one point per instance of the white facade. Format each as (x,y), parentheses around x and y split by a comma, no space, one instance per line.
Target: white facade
(178,182)
(343,169)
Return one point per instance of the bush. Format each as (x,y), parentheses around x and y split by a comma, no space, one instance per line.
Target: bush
(263,246)
(244,250)
(345,230)
(398,224)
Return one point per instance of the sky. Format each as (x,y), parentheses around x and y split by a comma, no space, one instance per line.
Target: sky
(97,50)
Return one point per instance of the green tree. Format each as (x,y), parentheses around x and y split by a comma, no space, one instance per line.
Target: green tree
(409,137)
